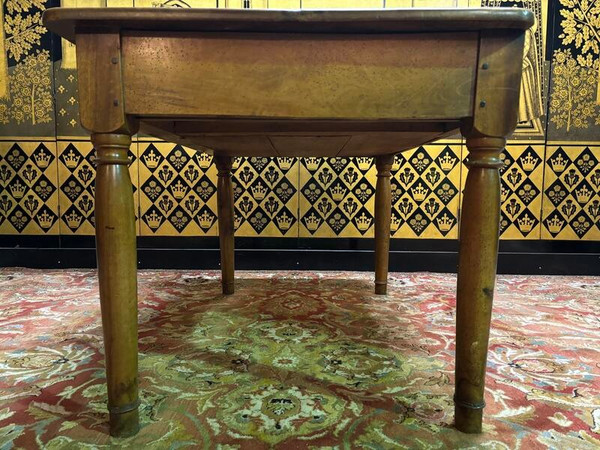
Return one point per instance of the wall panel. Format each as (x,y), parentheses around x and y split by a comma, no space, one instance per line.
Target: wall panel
(28,187)
(76,181)
(551,178)
(572,192)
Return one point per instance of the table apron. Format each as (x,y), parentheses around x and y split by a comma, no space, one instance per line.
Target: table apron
(308,76)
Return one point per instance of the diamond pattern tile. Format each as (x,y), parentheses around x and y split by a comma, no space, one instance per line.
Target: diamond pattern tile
(76,180)
(571,208)
(426,184)
(266,197)
(178,194)
(521,200)
(338,194)
(174,191)
(28,188)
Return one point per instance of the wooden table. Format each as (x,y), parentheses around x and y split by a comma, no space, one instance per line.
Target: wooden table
(296,83)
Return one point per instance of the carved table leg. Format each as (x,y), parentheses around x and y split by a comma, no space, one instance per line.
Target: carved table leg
(226,228)
(117,272)
(383,216)
(479,227)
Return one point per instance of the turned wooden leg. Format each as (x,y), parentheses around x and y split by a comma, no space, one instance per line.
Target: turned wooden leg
(479,227)
(117,272)
(383,216)
(226,228)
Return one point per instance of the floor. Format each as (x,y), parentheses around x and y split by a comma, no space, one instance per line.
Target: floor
(298,360)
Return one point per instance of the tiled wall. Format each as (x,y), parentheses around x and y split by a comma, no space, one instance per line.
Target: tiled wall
(551,178)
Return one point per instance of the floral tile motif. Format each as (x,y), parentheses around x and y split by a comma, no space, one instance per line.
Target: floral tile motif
(265,192)
(574,107)
(521,179)
(26,97)
(178,193)
(298,360)
(77,178)
(572,193)
(28,188)
(338,194)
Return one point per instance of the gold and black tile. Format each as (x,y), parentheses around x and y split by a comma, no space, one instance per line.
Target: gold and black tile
(571,208)
(547,193)
(522,179)
(573,107)
(28,188)
(338,194)
(266,197)
(177,191)
(76,178)
(521,186)
(425,192)
(337,197)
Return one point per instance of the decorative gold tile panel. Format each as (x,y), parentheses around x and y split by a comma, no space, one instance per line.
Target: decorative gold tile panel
(426,192)
(178,193)
(521,183)
(337,197)
(266,197)
(76,179)
(338,194)
(571,207)
(549,191)
(28,188)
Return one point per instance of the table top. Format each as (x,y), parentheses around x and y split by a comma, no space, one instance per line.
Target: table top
(64,21)
(294,83)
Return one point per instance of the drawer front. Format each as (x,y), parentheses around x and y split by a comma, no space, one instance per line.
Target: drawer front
(308,76)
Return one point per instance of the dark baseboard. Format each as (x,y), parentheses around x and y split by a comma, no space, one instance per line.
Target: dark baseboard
(516,257)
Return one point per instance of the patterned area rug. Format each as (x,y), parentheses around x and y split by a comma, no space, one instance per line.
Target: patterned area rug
(298,360)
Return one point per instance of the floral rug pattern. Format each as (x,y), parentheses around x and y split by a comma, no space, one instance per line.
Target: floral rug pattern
(298,360)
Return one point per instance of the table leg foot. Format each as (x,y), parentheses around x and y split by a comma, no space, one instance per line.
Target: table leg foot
(467,419)
(117,274)
(228,287)
(125,424)
(383,217)
(380,288)
(226,227)
(478,253)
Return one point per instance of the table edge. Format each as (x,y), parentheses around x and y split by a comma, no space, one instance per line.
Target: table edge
(65,21)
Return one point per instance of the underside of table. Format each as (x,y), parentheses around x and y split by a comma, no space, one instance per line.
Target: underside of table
(298,138)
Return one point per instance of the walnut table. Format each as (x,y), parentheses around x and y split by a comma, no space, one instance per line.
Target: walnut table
(296,83)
